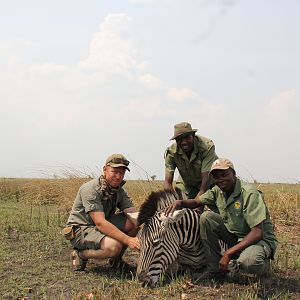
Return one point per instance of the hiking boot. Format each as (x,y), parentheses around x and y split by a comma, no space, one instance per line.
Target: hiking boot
(267,272)
(208,276)
(120,265)
(78,263)
(266,277)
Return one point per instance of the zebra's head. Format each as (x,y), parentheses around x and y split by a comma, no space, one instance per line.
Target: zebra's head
(159,243)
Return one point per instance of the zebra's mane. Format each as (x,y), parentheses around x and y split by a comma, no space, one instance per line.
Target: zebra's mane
(157,201)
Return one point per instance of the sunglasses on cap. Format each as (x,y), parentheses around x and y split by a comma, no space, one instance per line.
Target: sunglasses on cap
(118,160)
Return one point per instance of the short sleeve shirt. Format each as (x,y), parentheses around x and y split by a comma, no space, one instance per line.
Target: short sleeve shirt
(90,198)
(190,170)
(242,210)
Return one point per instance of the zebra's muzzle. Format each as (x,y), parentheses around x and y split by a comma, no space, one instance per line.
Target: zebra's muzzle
(146,280)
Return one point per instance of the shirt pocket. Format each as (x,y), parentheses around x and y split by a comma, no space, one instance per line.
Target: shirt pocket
(196,165)
(181,164)
(237,223)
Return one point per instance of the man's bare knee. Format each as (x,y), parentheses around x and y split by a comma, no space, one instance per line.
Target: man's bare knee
(111,246)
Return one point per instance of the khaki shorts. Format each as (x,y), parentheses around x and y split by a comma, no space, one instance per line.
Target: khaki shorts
(87,237)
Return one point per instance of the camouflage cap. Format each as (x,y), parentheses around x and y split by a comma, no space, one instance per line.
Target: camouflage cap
(181,129)
(221,164)
(117,160)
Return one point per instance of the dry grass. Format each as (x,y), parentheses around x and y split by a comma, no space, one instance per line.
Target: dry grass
(34,210)
(62,191)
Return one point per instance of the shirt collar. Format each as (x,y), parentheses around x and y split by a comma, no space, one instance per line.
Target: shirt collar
(102,185)
(237,188)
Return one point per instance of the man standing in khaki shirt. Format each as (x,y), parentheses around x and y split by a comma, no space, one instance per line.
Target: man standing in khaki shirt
(93,228)
(193,156)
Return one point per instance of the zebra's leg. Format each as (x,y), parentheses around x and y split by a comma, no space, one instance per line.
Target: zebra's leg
(212,229)
(255,259)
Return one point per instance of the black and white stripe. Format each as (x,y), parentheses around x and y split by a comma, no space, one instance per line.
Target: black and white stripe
(165,240)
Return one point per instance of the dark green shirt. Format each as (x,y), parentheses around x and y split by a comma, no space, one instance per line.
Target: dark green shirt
(242,210)
(190,170)
(90,198)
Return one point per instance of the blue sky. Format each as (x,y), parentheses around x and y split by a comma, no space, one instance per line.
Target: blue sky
(83,79)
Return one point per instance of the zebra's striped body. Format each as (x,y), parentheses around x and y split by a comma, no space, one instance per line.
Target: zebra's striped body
(165,240)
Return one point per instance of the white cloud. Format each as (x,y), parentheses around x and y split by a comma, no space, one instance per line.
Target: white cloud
(49,104)
(181,94)
(151,82)
(110,47)
(15,46)
(280,107)
(110,76)
(208,116)
(142,1)
(149,1)
(144,66)
(137,109)
(198,111)
(48,68)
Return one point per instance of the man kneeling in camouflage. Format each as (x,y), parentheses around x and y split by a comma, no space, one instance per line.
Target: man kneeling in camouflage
(93,228)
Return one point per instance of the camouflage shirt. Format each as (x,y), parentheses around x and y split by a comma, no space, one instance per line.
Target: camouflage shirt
(97,195)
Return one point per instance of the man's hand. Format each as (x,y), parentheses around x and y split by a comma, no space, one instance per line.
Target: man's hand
(170,209)
(133,243)
(255,235)
(224,261)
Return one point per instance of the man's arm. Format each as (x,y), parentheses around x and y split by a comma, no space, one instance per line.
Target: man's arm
(178,204)
(170,167)
(209,157)
(208,198)
(168,183)
(204,183)
(112,231)
(255,235)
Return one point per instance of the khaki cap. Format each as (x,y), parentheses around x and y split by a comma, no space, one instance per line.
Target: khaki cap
(182,128)
(221,164)
(117,160)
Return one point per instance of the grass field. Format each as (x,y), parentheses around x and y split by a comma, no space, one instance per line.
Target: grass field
(35,257)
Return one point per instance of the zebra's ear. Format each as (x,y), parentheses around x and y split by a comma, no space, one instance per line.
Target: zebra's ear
(177,214)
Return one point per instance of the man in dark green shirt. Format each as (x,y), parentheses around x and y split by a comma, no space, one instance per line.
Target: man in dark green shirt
(239,217)
(192,155)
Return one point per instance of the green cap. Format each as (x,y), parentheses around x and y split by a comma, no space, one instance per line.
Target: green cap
(117,160)
(181,129)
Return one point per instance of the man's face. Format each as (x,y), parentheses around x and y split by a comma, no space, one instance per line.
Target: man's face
(186,142)
(114,176)
(225,179)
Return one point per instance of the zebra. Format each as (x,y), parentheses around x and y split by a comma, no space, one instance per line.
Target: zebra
(165,240)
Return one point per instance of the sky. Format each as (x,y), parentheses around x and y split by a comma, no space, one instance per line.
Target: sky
(80,80)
